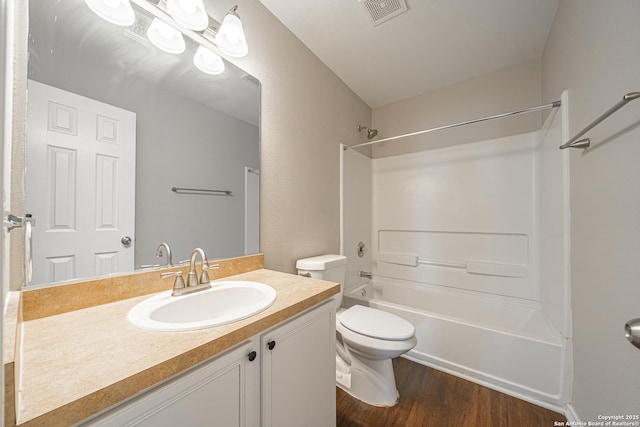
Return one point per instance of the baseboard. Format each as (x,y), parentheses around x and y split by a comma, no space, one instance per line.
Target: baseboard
(489,384)
(571,414)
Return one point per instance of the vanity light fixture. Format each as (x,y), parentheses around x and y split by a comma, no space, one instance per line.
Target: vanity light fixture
(190,14)
(230,36)
(165,37)
(207,61)
(117,12)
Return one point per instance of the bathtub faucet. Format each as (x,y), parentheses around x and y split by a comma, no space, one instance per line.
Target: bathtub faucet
(366,274)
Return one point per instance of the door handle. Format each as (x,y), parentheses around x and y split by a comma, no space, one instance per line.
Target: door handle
(632,331)
(126,240)
(12,222)
(28,249)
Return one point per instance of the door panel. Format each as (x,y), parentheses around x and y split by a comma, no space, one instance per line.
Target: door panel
(80,184)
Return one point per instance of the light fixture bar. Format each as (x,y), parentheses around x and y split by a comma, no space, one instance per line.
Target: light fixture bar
(199,38)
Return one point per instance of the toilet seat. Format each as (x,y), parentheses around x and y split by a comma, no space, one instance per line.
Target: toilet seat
(376,324)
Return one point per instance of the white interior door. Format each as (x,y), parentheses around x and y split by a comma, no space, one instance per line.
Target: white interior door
(80,185)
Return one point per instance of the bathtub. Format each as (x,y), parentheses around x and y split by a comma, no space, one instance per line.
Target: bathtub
(503,343)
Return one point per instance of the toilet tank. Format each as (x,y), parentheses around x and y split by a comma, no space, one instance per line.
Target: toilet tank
(325,267)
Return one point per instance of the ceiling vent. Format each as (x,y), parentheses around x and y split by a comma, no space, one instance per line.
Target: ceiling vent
(380,11)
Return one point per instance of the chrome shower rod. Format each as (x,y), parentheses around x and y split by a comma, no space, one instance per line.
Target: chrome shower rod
(554,104)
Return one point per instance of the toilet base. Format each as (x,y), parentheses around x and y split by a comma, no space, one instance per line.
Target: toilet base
(371,381)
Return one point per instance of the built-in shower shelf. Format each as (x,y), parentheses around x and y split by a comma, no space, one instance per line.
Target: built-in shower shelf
(472,267)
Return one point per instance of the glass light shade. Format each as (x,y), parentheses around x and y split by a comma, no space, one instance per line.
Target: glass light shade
(207,61)
(165,37)
(230,37)
(189,13)
(117,12)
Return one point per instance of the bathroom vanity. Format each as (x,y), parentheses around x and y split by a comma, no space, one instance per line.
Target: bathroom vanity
(90,367)
(286,370)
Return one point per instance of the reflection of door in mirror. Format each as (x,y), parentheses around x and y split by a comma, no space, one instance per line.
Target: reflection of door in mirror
(80,185)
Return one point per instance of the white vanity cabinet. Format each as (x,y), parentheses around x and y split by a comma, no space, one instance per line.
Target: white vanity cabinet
(222,392)
(299,371)
(282,377)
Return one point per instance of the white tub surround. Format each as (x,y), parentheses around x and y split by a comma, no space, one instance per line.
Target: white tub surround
(470,244)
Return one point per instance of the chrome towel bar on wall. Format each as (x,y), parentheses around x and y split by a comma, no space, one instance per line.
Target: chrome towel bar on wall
(576,142)
(201,191)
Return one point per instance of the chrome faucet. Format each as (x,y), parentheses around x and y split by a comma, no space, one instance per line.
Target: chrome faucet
(192,278)
(162,249)
(193,284)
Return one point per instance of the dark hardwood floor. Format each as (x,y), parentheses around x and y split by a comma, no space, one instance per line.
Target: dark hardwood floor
(432,398)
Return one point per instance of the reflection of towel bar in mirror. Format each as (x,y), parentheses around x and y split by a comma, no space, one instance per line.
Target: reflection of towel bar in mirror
(201,191)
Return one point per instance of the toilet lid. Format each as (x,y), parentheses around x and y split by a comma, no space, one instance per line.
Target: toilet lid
(376,323)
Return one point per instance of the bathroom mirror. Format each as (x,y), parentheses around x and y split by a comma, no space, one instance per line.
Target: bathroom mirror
(191,130)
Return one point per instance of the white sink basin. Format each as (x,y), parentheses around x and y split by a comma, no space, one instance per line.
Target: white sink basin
(225,302)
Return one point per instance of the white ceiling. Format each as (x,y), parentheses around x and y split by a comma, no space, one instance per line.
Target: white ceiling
(433,44)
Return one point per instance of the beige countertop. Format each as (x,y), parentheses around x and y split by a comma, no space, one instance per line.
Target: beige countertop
(78,363)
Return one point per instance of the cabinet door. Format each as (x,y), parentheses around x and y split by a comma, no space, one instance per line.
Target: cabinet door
(299,371)
(222,392)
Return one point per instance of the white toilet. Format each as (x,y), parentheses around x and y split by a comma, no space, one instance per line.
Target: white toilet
(367,339)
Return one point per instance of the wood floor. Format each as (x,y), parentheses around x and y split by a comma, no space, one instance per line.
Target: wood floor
(432,398)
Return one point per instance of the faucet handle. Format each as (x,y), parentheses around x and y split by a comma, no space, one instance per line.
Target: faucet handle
(145,266)
(204,277)
(178,284)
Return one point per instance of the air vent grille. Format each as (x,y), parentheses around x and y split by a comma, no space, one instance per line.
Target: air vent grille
(380,11)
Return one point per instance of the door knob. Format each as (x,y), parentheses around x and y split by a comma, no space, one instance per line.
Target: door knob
(632,331)
(126,240)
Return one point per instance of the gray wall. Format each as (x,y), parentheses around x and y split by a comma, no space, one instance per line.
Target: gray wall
(592,51)
(193,147)
(498,92)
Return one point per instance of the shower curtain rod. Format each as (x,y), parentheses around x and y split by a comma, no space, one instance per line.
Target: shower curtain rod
(554,104)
